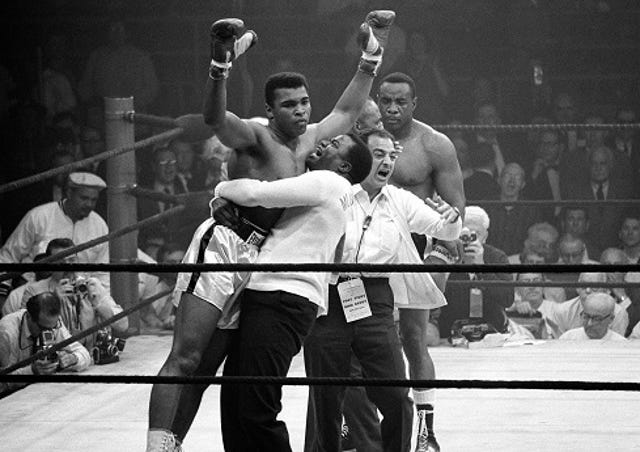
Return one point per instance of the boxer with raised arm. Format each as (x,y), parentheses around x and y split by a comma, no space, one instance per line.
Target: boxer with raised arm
(206,314)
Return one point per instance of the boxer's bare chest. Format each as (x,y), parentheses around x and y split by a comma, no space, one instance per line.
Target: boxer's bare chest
(413,169)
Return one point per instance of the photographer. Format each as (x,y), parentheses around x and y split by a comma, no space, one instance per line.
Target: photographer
(84,301)
(487,303)
(25,332)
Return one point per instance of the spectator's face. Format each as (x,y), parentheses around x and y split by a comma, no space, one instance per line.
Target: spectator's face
(165,166)
(595,138)
(396,103)
(571,252)
(595,319)
(67,260)
(472,225)
(626,117)
(600,166)
(543,243)
(43,322)
(565,110)
(487,115)
(511,181)
(92,142)
(630,232)
(184,156)
(370,118)
(81,201)
(531,293)
(549,148)
(575,222)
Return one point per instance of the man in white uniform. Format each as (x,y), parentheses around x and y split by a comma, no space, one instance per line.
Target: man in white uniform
(279,308)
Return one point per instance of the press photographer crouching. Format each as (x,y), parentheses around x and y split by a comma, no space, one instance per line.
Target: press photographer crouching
(84,301)
(477,310)
(27,331)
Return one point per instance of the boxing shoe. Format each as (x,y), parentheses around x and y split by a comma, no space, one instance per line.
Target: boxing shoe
(159,440)
(427,444)
(229,39)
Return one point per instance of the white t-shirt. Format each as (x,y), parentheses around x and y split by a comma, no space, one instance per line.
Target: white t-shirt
(308,232)
(578,334)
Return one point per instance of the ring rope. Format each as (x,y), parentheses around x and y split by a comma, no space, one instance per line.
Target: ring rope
(528,127)
(561,202)
(153,120)
(326,267)
(164,136)
(97,241)
(60,345)
(562,385)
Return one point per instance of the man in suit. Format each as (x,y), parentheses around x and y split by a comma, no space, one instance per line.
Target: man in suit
(481,185)
(604,221)
(488,303)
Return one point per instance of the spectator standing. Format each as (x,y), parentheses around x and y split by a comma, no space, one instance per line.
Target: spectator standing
(119,69)
(544,180)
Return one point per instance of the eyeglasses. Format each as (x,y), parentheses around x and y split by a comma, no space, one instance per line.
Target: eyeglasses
(166,162)
(594,318)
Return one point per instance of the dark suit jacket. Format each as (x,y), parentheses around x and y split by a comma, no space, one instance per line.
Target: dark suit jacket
(495,299)
(604,221)
(481,186)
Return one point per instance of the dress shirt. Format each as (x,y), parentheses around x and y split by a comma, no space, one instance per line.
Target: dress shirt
(605,189)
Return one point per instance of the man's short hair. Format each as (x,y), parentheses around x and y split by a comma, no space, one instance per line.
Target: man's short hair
(400,77)
(567,209)
(477,213)
(283,80)
(360,158)
(58,243)
(45,302)
(545,227)
(382,133)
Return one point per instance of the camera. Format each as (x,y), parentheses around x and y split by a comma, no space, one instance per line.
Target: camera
(80,286)
(46,340)
(468,237)
(107,348)
(468,330)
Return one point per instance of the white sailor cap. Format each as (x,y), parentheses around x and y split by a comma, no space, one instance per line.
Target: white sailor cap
(83,179)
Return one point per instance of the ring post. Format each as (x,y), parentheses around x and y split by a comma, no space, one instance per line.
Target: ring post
(122,209)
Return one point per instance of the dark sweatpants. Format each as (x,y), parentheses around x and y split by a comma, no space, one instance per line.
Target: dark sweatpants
(375,343)
(273,326)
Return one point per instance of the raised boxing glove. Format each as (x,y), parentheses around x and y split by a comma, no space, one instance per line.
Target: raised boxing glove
(229,39)
(372,38)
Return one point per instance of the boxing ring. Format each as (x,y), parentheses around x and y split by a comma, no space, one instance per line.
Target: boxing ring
(528,396)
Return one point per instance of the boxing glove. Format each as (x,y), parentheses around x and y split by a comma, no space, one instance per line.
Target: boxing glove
(372,38)
(229,40)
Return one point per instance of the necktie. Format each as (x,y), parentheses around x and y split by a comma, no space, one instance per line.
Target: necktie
(600,193)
